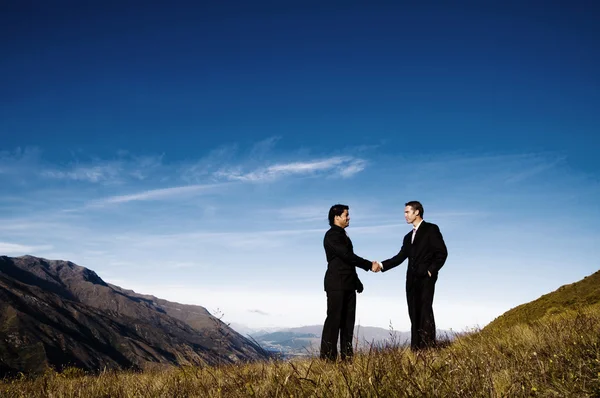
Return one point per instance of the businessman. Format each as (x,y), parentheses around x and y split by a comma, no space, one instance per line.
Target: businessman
(426,251)
(341,284)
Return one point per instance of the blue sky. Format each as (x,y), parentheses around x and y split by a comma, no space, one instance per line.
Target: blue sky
(192,153)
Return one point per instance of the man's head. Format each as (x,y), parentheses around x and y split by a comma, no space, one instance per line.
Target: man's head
(339,215)
(413,211)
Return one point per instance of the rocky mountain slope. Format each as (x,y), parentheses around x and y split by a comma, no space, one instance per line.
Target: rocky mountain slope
(56,313)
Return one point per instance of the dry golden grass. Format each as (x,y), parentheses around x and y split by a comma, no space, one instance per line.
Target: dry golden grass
(556,356)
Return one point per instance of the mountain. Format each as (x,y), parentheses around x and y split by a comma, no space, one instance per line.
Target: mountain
(248,331)
(306,340)
(56,313)
(365,335)
(569,297)
(288,344)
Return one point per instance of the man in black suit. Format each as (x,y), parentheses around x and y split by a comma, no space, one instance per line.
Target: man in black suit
(341,285)
(426,252)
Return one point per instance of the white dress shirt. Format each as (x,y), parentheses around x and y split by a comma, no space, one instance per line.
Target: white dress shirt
(415,231)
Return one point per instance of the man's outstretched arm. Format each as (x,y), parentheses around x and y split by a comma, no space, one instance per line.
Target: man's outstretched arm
(394,261)
(337,243)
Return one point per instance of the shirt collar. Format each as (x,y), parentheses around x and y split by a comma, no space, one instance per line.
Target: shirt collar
(418,225)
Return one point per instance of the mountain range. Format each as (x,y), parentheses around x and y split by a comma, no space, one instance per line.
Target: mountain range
(305,340)
(56,314)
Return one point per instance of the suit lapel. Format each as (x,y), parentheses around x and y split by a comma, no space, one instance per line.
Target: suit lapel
(419,234)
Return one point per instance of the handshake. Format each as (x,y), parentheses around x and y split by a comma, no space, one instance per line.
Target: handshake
(376,266)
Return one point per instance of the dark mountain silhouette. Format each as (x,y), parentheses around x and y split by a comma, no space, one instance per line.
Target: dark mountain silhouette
(57,314)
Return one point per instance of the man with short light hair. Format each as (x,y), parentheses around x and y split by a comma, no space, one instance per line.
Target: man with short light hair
(426,251)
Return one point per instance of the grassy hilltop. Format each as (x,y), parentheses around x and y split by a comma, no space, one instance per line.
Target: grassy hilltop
(566,298)
(548,348)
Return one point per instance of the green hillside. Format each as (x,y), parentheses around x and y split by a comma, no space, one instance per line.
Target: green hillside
(569,297)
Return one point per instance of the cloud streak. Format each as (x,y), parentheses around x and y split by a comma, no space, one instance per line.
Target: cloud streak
(15,248)
(532,168)
(158,194)
(108,171)
(343,165)
(92,174)
(259,312)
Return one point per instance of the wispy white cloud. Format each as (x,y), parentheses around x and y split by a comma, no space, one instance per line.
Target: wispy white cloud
(355,166)
(99,173)
(503,167)
(147,176)
(531,168)
(15,248)
(157,194)
(259,164)
(343,165)
(144,167)
(259,312)
(201,169)
(107,171)
(263,148)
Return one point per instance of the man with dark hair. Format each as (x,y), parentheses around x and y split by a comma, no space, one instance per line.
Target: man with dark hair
(341,285)
(426,252)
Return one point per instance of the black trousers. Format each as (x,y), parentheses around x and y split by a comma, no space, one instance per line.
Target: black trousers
(419,296)
(341,313)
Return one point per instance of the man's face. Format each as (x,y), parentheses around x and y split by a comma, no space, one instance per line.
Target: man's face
(410,214)
(343,220)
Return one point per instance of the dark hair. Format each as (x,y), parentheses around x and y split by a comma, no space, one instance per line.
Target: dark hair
(416,206)
(336,210)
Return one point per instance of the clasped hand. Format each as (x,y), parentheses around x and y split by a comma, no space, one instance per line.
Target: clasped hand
(376,266)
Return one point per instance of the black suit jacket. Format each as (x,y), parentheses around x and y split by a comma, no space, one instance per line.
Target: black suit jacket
(342,262)
(428,252)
